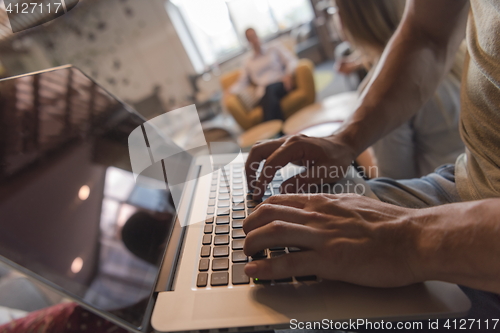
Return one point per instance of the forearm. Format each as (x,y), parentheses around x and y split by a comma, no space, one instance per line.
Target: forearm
(459,243)
(406,76)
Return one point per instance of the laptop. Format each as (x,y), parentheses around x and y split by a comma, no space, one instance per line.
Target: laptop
(141,221)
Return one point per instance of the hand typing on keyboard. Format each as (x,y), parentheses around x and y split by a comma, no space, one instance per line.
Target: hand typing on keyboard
(324,159)
(348,238)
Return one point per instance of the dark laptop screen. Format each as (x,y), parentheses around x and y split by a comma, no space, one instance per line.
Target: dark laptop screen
(70,210)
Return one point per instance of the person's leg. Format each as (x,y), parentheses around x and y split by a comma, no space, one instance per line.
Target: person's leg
(271,101)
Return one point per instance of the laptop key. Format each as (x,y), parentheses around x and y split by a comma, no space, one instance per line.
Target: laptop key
(219,279)
(237,181)
(208,228)
(222,229)
(209,220)
(204,264)
(306,278)
(260,255)
(224,196)
(277,254)
(202,280)
(238,223)
(238,199)
(238,192)
(221,239)
(237,186)
(213,195)
(213,188)
(205,250)
(221,251)
(222,211)
(238,244)
(238,233)
(224,190)
(239,206)
(207,239)
(239,215)
(252,204)
(250,210)
(210,210)
(239,276)
(260,281)
(211,202)
(223,203)
(285,280)
(220,264)
(222,220)
(239,256)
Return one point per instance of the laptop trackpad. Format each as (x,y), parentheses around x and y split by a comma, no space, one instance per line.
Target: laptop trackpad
(291,300)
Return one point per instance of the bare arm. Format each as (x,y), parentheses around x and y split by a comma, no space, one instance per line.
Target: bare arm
(418,56)
(413,63)
(360,240)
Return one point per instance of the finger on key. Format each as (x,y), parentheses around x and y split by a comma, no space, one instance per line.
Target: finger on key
(290,151)
(259,152)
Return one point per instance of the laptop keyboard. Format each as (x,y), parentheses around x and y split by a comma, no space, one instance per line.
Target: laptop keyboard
(221,257)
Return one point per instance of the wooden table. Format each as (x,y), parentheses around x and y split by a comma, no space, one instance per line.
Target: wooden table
(336,108)
(263,131)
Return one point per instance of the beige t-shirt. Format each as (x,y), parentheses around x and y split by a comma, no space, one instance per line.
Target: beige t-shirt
(478,170)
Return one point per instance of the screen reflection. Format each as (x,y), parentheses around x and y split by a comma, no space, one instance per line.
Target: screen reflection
(70,211)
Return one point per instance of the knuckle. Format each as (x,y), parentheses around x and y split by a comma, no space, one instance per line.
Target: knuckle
(274,199)
(315,216)
(277,227)
(266,208)
(295,138)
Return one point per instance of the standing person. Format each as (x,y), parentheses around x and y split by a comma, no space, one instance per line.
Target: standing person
(430,138)
(270,70)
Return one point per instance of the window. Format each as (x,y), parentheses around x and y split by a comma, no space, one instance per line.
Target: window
(212,30)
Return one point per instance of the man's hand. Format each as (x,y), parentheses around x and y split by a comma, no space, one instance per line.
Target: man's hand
(325,160)
(346,238)
(288,82)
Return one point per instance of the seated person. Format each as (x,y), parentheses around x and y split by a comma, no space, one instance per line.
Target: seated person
(430,138)
(270,70)
(440,227)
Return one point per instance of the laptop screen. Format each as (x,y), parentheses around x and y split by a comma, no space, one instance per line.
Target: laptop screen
(71,213)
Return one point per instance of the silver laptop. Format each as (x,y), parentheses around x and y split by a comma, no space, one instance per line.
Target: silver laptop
(154,243)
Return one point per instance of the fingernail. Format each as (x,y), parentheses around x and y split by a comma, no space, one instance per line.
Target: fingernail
(251,269)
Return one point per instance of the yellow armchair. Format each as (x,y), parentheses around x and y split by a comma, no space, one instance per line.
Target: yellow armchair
(303,95)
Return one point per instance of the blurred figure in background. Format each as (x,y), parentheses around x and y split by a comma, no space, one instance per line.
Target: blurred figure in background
(430,138)
(267,76)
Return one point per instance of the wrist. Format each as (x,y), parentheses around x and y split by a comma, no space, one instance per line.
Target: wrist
(349,138)
(429,244)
